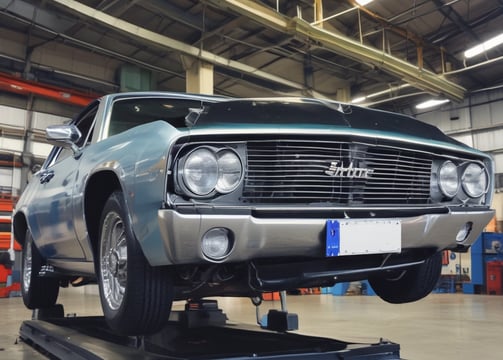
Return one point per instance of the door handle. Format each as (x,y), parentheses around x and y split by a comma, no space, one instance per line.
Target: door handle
(46,176)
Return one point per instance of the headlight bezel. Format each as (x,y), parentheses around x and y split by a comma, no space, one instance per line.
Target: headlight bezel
(185,176)
(466,184)
(222,172)
(452,191)
(440,191)
(218,187)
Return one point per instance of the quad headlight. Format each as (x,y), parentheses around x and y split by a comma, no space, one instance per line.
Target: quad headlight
(463,180)
(200,171)
(474,180)
(206,170)
(229,171)
(448,179)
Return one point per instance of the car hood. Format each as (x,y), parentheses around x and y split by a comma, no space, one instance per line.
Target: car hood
(309,113)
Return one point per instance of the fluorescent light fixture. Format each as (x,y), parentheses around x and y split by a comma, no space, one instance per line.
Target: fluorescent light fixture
(486,45)
(363,2)
(431,103)
(358,99)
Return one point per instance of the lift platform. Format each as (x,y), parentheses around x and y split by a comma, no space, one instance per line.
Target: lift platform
(200,332)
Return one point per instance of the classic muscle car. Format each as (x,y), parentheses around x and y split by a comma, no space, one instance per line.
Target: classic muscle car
(162,196)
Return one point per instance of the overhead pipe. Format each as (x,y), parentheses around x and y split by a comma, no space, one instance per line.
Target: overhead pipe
(16,85)
(419,78)
(474,66)
(163,41)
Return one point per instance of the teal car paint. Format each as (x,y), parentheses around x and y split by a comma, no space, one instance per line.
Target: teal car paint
(162,196)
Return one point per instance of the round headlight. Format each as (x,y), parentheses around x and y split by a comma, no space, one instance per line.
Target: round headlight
(474,180)
(200,171)
(229,171)
(448,179)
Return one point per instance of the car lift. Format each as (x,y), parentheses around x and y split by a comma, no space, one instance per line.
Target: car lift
(201,331)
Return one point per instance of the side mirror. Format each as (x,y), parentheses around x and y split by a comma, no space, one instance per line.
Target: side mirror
(64,135)
(35,168)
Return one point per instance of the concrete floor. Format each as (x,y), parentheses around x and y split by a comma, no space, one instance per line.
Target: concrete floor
(442,326)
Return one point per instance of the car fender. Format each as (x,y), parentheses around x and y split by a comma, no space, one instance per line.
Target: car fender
(138,160)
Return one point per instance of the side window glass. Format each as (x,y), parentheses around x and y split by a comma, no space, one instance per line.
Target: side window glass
(62,154)
(86,127)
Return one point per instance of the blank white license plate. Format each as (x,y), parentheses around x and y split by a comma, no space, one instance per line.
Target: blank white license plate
(358,237)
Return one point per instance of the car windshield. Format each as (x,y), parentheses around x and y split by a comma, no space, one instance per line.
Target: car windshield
(314,112)
(131,112)
(263,111)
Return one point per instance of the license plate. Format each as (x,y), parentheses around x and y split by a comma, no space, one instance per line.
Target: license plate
(359,237)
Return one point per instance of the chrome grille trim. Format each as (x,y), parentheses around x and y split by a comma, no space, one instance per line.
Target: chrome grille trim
(293,172)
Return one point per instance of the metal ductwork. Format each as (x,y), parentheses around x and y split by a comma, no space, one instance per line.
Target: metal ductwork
(412,74)
(163,41)
(417,77)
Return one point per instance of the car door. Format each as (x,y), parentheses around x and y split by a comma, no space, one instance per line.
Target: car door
(51,214)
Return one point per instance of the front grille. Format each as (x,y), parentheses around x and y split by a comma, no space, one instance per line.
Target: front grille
(289,171)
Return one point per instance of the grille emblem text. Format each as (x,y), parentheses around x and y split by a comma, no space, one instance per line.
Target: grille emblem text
(347,172)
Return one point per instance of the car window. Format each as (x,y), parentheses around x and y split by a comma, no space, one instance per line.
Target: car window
(131,112)
(85,123)
(86,127)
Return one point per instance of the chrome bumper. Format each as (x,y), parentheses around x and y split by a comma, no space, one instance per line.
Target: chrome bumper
(280,237)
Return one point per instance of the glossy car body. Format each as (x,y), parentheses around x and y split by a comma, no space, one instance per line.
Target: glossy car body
(240,196)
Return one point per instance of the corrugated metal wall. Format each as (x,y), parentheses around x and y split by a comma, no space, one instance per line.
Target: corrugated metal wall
(477,122)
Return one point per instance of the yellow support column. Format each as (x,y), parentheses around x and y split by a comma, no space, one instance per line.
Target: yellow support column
(198,76)
(343,94)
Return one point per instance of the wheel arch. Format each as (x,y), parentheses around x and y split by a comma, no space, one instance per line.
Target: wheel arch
(19,226)
(98,188)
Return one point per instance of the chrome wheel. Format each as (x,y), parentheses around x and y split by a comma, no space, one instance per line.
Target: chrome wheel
(27,266)
(113,260)
(38,292)
(135,297)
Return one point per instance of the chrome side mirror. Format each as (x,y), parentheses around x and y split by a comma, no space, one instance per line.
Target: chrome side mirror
(64,135)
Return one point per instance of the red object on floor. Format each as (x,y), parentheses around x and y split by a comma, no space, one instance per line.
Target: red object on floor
(494,277)
(270,296)
(6,206)
(310,291)
(5,291)
(4,274)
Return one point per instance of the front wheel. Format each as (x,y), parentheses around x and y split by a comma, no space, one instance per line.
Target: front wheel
(38,292)
(136,298)
(398,287)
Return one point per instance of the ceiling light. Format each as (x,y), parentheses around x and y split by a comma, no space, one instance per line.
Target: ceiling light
(363,2)
(431,103)
(358,99)
(486,45)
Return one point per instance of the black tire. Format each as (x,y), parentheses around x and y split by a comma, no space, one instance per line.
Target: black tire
(136,298)
(38,292)
(409,285)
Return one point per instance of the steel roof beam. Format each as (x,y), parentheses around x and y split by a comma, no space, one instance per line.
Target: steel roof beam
(163,41)
(419,78)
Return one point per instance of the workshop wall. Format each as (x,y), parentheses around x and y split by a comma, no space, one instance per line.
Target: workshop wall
(15,126)
(477,122)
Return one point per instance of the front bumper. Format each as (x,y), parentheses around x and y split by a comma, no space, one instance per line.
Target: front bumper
(296,237)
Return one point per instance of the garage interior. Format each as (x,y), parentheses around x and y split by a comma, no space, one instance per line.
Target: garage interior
(58,55)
